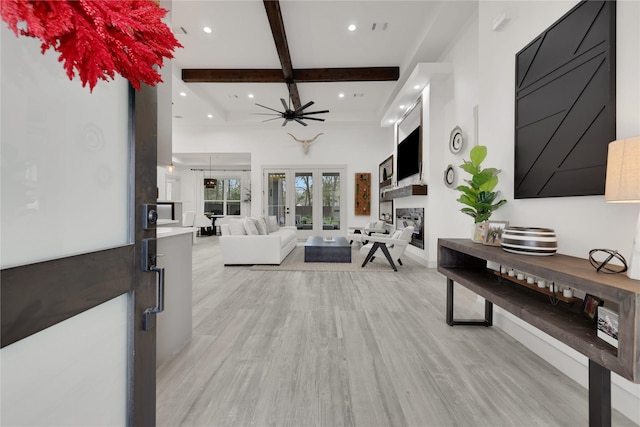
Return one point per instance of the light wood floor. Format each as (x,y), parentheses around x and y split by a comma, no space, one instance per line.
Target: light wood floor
(351,349)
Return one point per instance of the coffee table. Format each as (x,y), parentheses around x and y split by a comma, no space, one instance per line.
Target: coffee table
(317,249)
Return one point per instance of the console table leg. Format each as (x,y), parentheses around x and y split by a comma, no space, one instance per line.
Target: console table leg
(599,395)
(488,311)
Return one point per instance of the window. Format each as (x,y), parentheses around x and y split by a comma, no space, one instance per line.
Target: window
(224,198)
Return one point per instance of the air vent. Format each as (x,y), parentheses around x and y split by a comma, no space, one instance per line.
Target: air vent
(358,95)
(379,26)
(179,30)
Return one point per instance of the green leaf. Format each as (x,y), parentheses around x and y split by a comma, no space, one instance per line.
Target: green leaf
(469,168)
(477,155)
(489,184)
(469,212)
(466,200)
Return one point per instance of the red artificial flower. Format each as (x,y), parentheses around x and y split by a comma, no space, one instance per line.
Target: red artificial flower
(97,38)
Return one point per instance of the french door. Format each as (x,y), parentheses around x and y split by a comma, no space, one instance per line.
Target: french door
(76,169)
(308,198)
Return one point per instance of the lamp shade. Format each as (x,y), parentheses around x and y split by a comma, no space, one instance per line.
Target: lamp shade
(623,171)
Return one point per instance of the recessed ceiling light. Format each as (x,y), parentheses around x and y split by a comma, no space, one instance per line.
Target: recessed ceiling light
(402,107)
(351,27)
(183,94)
(416,87)
(250,95)
(210,116)
(341,95)
(391,120)
(207,30)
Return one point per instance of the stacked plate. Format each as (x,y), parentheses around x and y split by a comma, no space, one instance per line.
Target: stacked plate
(529,241)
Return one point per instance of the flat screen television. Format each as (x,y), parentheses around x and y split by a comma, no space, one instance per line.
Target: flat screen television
(409,156)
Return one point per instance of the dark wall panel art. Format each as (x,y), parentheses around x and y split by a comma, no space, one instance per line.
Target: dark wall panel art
(565,105)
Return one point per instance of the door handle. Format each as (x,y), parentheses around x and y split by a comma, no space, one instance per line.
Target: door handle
(148,316)
(149,257)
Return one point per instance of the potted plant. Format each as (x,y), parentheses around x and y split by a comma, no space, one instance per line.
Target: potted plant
(478,196)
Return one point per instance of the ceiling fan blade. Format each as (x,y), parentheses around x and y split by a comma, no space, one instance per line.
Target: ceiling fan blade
(316,112)
(308,104)
(300,121)
(268,120)
(311,118)
(285,122)
(268,108)
(284,104)
(267,114)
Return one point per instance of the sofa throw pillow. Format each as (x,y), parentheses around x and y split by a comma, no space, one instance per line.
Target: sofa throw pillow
(262,226)
(250,227)
(236,227)
(272,223)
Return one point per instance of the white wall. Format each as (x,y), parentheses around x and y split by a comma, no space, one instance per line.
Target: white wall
(581,223)
(452,104)
(361,149)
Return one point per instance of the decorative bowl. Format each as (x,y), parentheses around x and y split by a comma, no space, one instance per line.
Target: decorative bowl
(529,241)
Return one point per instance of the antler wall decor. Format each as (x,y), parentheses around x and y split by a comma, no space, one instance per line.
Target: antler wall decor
(306,143)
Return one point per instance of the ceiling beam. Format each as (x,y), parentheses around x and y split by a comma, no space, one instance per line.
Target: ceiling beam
(303,75)
(359,74)
(239,75)
(274,15)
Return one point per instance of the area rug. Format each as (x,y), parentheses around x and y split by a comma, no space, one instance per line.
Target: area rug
(295,262)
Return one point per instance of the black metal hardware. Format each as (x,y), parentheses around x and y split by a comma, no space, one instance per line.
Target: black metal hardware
(149,257)
(488,311)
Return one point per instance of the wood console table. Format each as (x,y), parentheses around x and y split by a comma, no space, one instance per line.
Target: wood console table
(465,262)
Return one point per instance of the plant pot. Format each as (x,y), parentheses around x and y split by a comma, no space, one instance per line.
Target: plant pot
(479,232)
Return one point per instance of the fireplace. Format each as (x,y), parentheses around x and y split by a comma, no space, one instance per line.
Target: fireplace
(414,217)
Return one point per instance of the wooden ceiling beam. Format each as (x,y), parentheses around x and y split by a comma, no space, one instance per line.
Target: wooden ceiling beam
(359,74)
(303,75)
(274,15)
(230,75)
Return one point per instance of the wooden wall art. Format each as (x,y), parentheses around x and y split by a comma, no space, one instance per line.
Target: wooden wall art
(363,193)
(565,104)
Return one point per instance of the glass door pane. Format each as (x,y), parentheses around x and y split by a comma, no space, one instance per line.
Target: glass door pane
(233,196)
(64,164)
(304,200)
(277,196)
(331,201)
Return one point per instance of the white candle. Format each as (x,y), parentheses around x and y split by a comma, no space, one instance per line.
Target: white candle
(512,273)
(503,270)
(568,293)
(542,283)
(530,280)
(520,276)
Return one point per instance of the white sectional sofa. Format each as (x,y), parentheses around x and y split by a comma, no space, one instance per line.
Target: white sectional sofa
(255,241)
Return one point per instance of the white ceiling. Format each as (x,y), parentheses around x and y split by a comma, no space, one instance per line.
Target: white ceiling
(417,31)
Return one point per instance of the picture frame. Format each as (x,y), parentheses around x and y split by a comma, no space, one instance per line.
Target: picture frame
(493,232)
(590,306)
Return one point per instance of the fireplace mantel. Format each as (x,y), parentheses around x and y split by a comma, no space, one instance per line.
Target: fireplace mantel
(409,190)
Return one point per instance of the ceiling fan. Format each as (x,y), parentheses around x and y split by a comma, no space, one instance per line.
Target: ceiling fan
(289,115)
